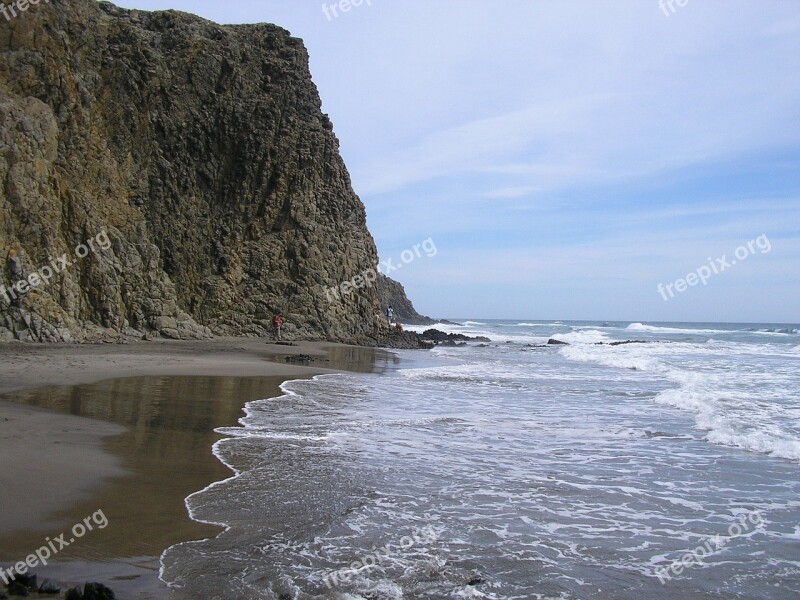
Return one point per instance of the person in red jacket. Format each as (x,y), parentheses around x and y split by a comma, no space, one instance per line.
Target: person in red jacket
(277,322)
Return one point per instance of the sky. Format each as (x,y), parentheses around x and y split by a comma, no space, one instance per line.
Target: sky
(566,158)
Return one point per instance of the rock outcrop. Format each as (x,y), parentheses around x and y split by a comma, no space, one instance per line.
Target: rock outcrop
(438,337)
(183,171)
(392,293)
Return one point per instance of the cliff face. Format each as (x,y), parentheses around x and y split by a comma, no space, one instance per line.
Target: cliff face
(194,164)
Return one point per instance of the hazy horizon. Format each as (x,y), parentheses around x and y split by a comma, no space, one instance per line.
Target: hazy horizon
(647,321)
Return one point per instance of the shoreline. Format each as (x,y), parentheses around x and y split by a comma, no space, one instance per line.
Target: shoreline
(28,365)
(128,429)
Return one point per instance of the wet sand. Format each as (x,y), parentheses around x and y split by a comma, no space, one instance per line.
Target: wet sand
(128,430)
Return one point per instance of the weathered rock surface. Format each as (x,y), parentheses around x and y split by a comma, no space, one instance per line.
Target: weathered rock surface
(201,152)
(396,338)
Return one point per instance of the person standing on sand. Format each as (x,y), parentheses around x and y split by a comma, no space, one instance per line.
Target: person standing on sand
(277,323)
(390,315)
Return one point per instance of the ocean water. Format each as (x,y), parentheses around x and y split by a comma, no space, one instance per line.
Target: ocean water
(513,469)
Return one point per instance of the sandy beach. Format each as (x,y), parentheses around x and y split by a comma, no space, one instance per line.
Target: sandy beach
(127,429)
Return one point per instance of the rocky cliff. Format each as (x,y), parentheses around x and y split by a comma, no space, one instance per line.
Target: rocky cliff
(391,293)
(163,174)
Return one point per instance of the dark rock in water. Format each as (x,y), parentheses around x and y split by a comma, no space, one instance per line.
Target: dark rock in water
(49,587)
(449,339)
(659,434)
(555,342)
(434,335)
(74,594)
(475,579)
(625,342)
(97,591)
(284,343)
(15,588)
(27,581)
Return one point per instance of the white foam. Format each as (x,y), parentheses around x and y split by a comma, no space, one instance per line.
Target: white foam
(247,430)
(488,373)
(268,434)
(736,397)
(448,351)
(619,357)
(657,329)
(777,331)
(583,336)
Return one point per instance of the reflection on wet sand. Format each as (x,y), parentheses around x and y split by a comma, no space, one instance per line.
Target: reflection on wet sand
(355,359)
(166,454)
(166,450)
